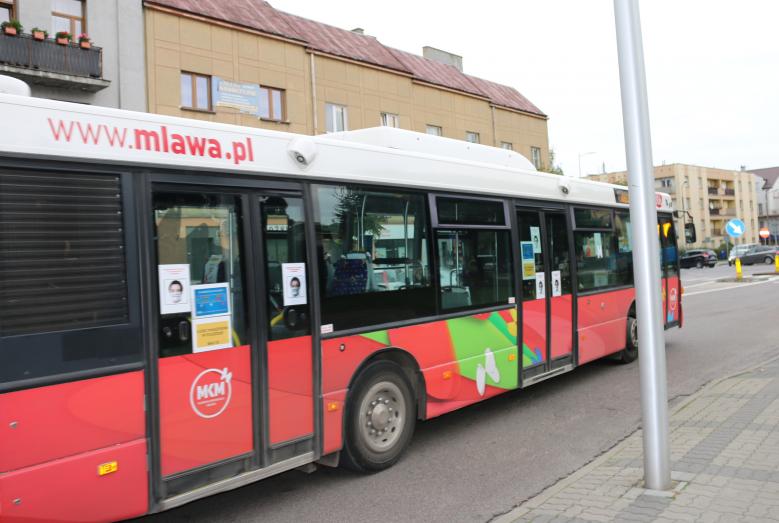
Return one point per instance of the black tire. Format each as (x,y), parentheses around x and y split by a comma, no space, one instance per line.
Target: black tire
(768,260)
(376,440)
(699,264)
(630,352)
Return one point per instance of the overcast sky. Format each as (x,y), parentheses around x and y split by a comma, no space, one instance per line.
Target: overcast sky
(712,68)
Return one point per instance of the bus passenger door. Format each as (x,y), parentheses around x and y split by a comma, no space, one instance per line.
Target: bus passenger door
(547,304)
(290,414)
(669,271)
(234,368)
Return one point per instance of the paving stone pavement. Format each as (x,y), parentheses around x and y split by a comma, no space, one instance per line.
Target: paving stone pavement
(724,457)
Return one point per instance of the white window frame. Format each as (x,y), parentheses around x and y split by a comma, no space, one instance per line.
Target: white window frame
(507,146)
(333,110)
(472,137)
(535,153)
(390,120)
(437,130)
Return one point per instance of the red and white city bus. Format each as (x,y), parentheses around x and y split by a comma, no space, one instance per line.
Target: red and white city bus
(187,307)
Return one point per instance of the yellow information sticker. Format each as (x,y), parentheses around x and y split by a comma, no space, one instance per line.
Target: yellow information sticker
(107,468)
(212,334)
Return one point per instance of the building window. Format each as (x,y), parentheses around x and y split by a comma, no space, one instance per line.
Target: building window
(390,120)
(335,118)
(272,103)
(506,145)
(7,11)
(434,130)
(472,137)
(535,154)
(68,15)
(195,91)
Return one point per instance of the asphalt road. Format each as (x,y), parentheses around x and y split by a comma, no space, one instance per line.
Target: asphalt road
(482,461)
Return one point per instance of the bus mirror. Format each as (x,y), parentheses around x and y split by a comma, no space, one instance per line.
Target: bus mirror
(689,233)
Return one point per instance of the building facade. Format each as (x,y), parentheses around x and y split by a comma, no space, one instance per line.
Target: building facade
(710,196)
(244,62)
(111,72)
(767,187)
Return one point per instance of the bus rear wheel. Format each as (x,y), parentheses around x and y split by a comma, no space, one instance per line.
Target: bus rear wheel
(380,417)
(630,352)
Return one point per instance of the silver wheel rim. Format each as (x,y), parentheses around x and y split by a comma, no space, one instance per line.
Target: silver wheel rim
(634,333)
(382,416)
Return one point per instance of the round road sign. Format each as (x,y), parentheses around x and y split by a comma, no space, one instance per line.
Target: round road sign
(765,233)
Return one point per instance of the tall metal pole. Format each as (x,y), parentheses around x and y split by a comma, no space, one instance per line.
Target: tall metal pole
(643,220)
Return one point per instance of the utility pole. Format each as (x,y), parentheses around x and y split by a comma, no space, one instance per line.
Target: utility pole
(643,220)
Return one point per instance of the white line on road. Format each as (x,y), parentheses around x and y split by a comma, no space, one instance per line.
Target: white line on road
(735,286)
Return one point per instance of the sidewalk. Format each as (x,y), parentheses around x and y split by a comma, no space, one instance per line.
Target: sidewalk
(724,458)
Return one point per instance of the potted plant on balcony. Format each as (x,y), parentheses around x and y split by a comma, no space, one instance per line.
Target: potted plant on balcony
(39,34)
(63,37)
(12,27)
(84,41)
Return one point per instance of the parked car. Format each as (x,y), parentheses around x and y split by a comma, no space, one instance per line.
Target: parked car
(698,258)
(740,250)
(760,254)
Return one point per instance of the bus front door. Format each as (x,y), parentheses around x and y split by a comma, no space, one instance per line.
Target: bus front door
(547,301)
(233,388)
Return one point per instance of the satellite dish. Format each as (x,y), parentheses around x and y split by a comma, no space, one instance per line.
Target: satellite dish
(10,85)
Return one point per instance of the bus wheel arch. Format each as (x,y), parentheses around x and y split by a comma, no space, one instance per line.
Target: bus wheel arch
(385,395)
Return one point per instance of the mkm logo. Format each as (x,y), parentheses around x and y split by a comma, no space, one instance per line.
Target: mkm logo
(211,391)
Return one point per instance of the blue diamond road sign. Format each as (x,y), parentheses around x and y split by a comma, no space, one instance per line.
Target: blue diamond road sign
(735,228)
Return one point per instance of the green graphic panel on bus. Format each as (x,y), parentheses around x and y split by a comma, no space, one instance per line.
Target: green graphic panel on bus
(378,336)
(486,349)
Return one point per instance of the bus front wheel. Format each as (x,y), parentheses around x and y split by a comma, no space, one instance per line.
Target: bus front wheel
(380,417)
(630,352)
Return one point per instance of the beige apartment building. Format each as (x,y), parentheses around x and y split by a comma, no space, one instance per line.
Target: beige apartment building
(711,197)
(244,62)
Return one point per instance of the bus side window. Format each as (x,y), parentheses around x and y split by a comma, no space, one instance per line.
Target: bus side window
(198,243)
(474,264)
(285,243)
(373,256)
(624,274)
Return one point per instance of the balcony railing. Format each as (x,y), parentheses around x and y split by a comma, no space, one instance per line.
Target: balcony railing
(46,62)
(722,211)
(719,191)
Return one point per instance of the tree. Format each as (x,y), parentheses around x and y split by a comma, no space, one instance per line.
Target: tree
(554,169)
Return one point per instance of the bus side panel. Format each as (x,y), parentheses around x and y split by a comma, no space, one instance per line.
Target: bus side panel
(463,360)
(562,331)
(673,312)
(205,408)
(103,485)
(70,418)
(603,323)
(533,332)
(290,383)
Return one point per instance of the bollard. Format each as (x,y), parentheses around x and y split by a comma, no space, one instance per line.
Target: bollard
(738,269)
(776,263)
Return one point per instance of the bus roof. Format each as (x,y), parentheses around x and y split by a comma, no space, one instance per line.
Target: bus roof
(49,129)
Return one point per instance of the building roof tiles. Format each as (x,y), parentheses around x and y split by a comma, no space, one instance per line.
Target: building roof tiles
(769,174)
(260,16)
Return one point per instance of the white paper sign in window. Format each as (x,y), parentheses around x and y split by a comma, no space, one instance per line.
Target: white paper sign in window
(174,288)
(294,277)
(540,290)
(557,289)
